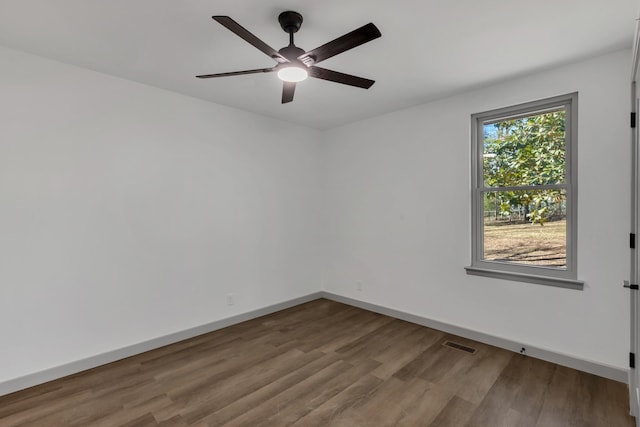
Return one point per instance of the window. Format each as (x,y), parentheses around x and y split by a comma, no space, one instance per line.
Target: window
(524,192)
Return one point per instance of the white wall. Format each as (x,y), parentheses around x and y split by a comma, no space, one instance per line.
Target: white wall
(398,216)
(128,213)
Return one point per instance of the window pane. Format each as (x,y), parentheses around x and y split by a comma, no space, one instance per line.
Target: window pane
(525,151)
(525,227)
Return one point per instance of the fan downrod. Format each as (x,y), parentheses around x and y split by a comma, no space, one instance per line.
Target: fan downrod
(290,21)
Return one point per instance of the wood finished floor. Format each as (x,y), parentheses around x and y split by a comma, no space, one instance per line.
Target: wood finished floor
(323,364)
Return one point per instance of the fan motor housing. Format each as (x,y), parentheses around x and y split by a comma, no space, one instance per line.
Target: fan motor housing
(291,52)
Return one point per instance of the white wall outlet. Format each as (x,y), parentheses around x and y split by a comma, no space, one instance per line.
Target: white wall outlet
(230,300)
(359,286)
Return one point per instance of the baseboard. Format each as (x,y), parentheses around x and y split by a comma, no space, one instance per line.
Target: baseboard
(596,368)
(57,372)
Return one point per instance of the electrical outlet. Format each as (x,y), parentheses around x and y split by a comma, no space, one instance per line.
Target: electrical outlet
(230,300)
(523,351)
(359,286)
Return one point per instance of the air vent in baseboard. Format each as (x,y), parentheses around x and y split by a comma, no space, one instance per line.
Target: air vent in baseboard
(460,347)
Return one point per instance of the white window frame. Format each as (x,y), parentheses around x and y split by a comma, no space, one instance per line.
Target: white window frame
(544,275)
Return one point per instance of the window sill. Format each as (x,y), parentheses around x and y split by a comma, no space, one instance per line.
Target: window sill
(528,278)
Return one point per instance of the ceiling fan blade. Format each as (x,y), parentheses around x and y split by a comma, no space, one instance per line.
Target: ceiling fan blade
(250,38)
(288,89)
(334,76)
(355,38)
(236,73)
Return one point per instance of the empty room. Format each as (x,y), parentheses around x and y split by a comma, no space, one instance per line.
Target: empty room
(337,213)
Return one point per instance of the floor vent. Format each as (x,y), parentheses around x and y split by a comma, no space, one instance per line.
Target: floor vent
(460,347)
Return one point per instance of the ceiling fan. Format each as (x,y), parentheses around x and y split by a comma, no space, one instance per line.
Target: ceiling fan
(294,64)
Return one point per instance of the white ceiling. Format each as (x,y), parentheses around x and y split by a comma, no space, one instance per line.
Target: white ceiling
(429,48)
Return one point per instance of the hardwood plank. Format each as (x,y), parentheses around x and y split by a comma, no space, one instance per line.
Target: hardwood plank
(334,408)
(387,405)
(455,414)
(253,400)
(577,398)
(212,396)
(39,408)
(495,407)
(325,390)
(350,332)
(175,421)
(472,377)
(405,349)
(376,341)
(134,415)
(313,392)
(424,410)
(322,364)
(271,411)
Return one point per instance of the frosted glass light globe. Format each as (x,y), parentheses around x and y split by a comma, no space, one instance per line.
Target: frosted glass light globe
(292,74)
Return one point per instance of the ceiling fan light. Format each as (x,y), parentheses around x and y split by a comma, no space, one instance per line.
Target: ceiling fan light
(292,74)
